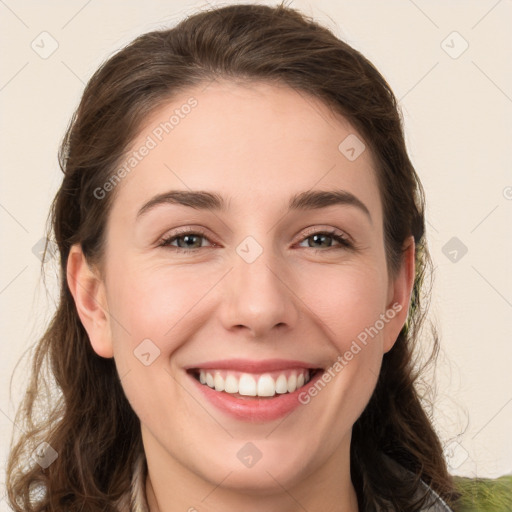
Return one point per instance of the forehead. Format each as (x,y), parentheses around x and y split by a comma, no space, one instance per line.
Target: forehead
(255,143)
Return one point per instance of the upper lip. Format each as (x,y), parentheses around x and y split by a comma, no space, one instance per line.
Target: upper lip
(252,366)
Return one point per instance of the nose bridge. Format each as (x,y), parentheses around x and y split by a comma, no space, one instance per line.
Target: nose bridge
(259,297)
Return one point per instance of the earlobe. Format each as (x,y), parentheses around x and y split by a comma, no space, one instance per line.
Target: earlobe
(88,291)
(400,294)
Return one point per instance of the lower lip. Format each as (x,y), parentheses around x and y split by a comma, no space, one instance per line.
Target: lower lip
(255,409)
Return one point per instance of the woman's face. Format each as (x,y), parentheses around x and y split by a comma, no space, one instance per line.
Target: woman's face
(250,281)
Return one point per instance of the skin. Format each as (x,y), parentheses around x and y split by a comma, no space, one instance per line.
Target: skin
(256,145)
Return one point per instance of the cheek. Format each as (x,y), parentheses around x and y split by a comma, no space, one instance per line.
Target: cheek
(153,302)
(349,303)
(346,299)
(154,312)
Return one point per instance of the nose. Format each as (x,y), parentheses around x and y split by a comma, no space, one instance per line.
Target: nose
(258,297)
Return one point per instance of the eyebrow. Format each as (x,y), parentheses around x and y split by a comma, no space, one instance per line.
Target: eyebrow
(202,200)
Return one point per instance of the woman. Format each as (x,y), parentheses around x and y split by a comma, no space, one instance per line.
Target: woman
(242,246)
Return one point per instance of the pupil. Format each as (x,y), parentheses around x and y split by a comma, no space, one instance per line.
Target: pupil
(317,237)
(187,239)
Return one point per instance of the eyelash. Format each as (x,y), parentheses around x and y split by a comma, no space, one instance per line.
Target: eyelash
(341,239)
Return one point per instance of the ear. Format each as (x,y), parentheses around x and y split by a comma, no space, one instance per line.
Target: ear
(88,290)
(399,295)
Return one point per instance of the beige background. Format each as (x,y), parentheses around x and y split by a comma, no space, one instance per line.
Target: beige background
(457,108)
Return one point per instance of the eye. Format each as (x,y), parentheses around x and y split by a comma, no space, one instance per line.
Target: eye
(187,240)
(321,237)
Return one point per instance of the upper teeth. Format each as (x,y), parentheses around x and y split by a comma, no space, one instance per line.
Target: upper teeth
(254,385)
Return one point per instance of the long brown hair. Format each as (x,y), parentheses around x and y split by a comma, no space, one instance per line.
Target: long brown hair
(97,434)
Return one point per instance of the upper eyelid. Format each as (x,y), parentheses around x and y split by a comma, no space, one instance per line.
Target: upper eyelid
(185,231)
(330,231)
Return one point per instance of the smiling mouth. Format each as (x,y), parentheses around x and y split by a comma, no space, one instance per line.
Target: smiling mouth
(252,385)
